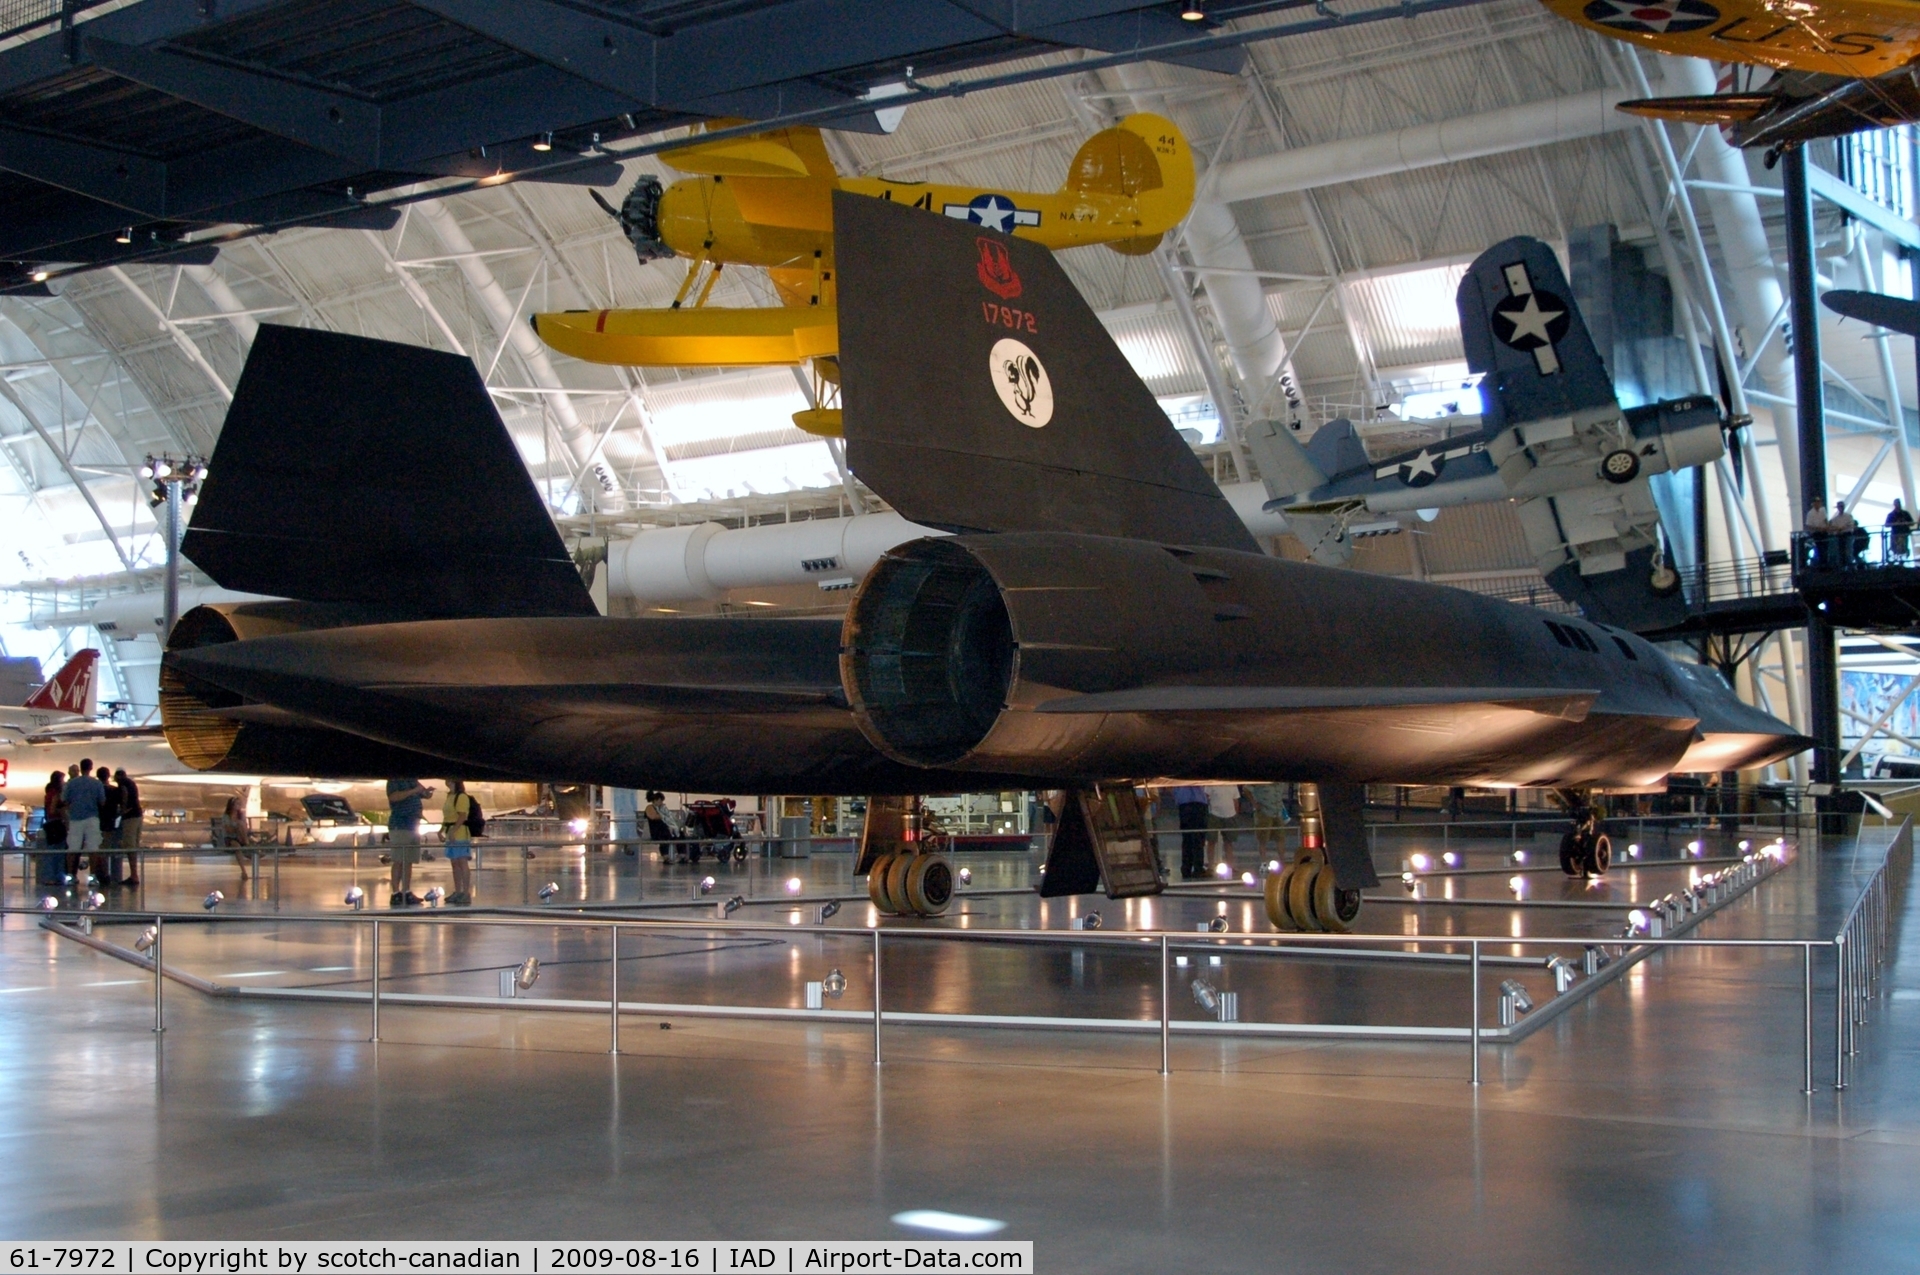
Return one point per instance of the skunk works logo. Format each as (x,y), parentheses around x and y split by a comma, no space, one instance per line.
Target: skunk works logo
(1020,379)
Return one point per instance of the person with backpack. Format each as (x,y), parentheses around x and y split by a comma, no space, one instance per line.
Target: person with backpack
(53,830)
(460,822)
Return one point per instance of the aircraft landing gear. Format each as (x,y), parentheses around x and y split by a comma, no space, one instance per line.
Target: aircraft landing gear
(904,878)
(1306,896)
(1585,851)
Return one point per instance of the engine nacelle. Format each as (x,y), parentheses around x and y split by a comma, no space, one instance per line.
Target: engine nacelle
(210,728)
(951,644)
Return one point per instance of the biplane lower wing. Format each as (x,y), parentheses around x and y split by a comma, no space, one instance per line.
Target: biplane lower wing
(704,336)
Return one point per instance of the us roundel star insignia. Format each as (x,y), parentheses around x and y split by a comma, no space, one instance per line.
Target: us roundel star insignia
(1531,321)
(1422,469)
(1020,379)
(1660,17)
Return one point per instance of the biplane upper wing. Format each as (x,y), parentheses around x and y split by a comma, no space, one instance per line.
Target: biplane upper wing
(1853,38)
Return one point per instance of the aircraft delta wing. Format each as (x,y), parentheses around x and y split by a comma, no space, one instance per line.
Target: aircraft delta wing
(1552,437)
(1102,620)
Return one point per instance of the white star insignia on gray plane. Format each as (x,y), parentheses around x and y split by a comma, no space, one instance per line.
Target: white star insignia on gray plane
(1531,321)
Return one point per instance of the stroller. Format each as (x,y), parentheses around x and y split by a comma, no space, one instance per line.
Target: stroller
(710,826)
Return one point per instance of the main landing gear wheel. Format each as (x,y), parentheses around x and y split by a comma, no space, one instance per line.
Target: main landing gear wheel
(929,882)
(877,885)
(1300,895)
(1570,854)
(911,884)
(1276,899)
(1601,857)
(1334,909)
(1620,466)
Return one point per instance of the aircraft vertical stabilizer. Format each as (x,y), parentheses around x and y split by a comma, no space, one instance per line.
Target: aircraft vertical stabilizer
(1521,328)
(1286,468)
(74,689)
(965,351)
(362,471)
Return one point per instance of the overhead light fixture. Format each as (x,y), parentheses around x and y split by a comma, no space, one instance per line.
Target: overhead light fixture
(41,276)
(1193,11)
(125,236)
(544,143)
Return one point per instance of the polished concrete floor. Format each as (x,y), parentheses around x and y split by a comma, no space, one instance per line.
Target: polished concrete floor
(1656,1126)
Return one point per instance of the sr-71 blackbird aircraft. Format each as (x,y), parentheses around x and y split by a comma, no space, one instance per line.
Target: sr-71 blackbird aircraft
(1099,619)
(1552,437)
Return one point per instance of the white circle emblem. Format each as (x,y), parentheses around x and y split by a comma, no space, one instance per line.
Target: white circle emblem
(1021,382)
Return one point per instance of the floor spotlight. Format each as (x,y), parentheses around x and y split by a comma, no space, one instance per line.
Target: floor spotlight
(1218,925)
(1514,1002)
(48,903)
(834,984)
(1223,870)
(548,891)
(966,876)
(434,897)
(1247,879)
(827,909)
(1517,884)
(148,937)
(1407,879)
(794,884)
(1564,972)
(707,884)
(1519,856)
(1204,996)
(1273,866)
(733,905)
(1633,850)
(356,898)
(529,973)
(96,900)
(1421,862)
(213,900)
(1451,859)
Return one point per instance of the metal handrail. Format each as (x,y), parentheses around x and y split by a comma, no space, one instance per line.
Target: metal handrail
(1163,942)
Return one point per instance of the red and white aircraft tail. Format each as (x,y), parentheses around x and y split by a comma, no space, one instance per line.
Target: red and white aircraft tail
(71,695)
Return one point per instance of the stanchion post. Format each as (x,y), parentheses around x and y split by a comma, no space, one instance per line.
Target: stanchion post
(876,996)
(1806,1012)
(1473,978)
(375,1001)
(1839,1013)
(613,989)
(1166,1010)
(159,978)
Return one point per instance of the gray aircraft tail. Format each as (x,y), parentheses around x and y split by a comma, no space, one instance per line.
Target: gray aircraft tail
(1521,328)
(1286,468)
(369,472)
(981,393)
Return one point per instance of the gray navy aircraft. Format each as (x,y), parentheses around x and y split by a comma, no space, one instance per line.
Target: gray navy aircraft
(1098,618)
(1552,437)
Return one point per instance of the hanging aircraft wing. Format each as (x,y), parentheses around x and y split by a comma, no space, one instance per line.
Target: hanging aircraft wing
(1896,314)
(704,336)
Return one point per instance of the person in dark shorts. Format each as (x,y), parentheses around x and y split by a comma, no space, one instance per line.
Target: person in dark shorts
(404,797)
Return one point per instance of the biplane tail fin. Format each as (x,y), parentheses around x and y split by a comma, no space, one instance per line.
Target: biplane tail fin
(1144,158)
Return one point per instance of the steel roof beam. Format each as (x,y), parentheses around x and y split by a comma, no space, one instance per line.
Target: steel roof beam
(127,181)
(755,49)
(335,123)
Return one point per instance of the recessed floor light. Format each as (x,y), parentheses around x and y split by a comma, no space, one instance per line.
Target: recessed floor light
(948,1223)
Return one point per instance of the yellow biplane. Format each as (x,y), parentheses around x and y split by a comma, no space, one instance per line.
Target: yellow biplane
(1841,65)
(767,201)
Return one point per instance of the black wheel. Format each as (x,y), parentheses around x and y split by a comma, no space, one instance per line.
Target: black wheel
(1620,466)
(1600,858)
(1570,854)
(740,852)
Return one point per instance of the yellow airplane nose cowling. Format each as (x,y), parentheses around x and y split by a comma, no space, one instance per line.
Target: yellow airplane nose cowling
(702,337)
